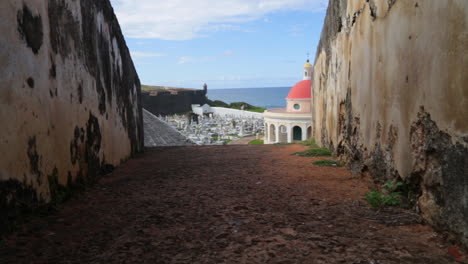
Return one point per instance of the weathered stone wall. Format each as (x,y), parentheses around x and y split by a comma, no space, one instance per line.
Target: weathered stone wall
(390,97)
(167,103)
(69,98)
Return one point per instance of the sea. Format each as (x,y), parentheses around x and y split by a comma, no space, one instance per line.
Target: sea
(269,98)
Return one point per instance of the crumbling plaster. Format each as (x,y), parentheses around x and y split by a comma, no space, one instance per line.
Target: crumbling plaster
(69,100)
(380,66)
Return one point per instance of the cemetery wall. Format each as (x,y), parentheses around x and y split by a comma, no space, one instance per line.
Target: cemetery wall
(228,112)
(69,100)
(390,97)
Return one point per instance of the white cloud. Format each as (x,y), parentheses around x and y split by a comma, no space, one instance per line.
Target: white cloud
(297,30)
(139,54)
(188,59)
(229,53)
(188,19)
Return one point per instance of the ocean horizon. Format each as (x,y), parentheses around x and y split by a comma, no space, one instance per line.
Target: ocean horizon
(266,97)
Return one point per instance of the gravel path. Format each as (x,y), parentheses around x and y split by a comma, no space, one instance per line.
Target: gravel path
(228,204)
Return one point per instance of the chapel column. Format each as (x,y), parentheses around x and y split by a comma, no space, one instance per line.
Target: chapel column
(304,133)
(290,133)
(277,133)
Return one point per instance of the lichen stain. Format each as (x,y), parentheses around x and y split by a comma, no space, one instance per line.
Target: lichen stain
(30,29)
(93,147)
(80,93)
(34,159)
(53,69)
(64,29)
(75,152)
(30,82)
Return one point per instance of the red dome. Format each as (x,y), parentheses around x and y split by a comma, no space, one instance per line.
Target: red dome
(301,90)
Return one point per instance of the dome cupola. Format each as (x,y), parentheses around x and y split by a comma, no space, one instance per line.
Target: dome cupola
(302,90)
(308,68)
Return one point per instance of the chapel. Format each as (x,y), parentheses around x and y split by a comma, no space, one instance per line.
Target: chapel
(293,123)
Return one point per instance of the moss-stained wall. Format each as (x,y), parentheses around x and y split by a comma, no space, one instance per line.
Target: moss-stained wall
(390,97)
(69,98)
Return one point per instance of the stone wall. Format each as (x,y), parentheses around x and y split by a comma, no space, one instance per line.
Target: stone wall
(390,97)
(168,103)
(69,99)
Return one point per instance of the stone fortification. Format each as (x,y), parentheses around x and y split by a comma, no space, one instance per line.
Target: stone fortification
(172,100)
(69,99)
(390,97)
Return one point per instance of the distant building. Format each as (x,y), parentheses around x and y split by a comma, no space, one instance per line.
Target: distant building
(201,109)
(293,123)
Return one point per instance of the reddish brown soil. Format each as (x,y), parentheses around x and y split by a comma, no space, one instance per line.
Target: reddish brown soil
(230,204)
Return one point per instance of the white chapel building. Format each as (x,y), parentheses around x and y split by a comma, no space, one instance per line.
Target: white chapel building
(293,123)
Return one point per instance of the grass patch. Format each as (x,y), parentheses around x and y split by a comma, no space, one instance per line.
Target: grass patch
(310,143)
(387,196)
(151,88)
(256,109)
(327,163)
(256,142)
(236,105)
(314,152)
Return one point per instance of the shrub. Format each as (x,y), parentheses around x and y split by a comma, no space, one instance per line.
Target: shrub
(310,143)
(256,142)
(388,196)
(327,163)
(314,152)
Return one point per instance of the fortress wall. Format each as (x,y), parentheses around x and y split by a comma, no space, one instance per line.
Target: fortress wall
(69,99)
(166,103)
(390,97)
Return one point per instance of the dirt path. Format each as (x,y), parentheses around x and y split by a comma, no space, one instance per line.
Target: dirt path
(230,204)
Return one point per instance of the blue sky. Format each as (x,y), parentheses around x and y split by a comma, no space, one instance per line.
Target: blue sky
(225,43)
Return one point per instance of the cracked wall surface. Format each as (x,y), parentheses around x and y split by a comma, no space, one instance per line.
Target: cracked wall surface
(69,98)
(390,97)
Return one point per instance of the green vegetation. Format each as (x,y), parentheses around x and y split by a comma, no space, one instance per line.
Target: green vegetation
(218,103)
(327,163)
(256,142)
(314,152)
(310,143)
(151,88)
(236,105)
(388,196)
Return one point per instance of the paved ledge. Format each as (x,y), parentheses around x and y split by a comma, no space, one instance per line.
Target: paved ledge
(160,134)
